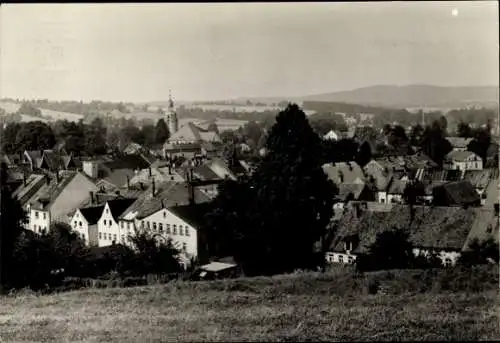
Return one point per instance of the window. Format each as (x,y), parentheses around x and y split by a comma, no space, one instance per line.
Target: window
(114,238)
(341,259)
(186,230)
(168,228)
(128,226)
(184,246)
(160,228)
(142,223)
(104,221)
(174,231)
(149,225)
(180,230)
(100,235)
(107,211)
(80,223)
(154,226)
(36,214)
(123,238)
(75,223)
(164,214)
(121,225)
(44,215)
(83,236)
(110,222)
(44,229)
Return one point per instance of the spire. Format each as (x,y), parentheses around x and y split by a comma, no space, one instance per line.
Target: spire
(170,101)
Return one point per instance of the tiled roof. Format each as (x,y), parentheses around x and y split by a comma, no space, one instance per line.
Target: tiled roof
(33,183)
(460,156)
(92,214)
(192,133)
(45,196)
(169,194)
(131,162)
(344,172)
(479,178)
(118,177)
(432,227)
(456,193)
(194,215)
(459,142)
(118,206)
(53,160)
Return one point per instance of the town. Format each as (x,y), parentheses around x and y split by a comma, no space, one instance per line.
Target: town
(156,187)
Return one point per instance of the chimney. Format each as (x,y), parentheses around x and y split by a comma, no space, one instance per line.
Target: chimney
(153,187)
(341,176)
(169,168)
(496,209)
(47,179)
(142,185)
(128,182)
(92,197)
(57,176)
(191,193)
(25,181)
(162,203)
(150,174)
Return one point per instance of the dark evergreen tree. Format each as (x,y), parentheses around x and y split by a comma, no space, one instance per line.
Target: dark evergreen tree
(364,154)
(161,133)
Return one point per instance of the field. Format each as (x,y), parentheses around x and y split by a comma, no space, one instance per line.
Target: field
(324,307)
(47,115)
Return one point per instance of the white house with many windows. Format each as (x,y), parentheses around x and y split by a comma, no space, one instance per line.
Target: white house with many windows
(108,228)
(463,160)
(84,222)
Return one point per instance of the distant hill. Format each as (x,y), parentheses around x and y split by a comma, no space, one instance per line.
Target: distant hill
(419,96)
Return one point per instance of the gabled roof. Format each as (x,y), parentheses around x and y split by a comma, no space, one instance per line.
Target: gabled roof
(479,178)
(194,215)
(396,186)
(350,188)
(460,156)
(118,206)
(48,193)
(192,133)
(169,194)
(33,183)
(92,214)
(344,172)
(118,177)
(457,193)
(53,160)
(459,142)
(34,155)
(132,162)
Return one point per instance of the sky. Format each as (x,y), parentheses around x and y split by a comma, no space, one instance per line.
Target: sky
(210,51)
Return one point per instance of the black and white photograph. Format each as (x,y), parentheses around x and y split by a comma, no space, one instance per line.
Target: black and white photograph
(249,171)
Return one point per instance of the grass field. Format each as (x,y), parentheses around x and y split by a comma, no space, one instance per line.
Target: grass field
(285,308)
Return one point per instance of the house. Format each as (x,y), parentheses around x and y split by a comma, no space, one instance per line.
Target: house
(379,174)
(350,180)
(56,199)
(175,211)
(134,149)
(32,158)
(459,143)
(485,183)
(463,160)
(84,222)
(395,190)
(53,161)
(188,140)
(457,193)
(108,230)
(118,171)
(331,135)
(184,225)
(31,184)
(446,231)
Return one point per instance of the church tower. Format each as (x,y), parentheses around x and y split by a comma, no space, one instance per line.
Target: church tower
(172,121)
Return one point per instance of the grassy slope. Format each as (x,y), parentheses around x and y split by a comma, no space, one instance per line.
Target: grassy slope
(288,308)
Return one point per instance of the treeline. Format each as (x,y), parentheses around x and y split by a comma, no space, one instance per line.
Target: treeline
(79,138)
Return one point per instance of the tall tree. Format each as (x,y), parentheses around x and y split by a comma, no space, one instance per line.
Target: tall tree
(416,135)
(481,143)
(34,135)
(364,154)
(12,217)
(161,133)
(95,137)
(434,143)
(464,130)
(9,137)
(292,202)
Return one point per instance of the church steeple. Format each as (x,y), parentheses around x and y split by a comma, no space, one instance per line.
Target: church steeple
(172,122)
